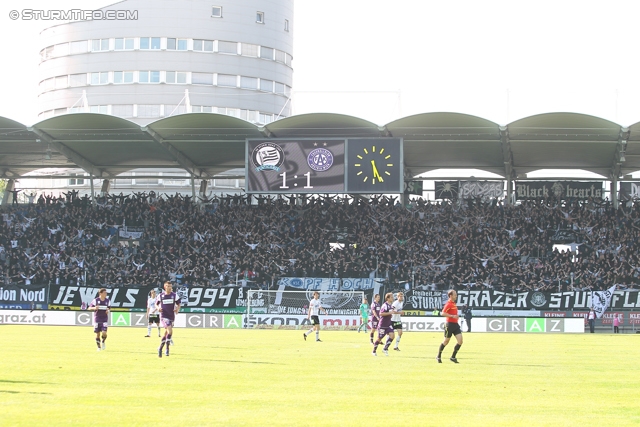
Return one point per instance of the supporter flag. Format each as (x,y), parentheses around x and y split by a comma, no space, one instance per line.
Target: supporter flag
(447,190)
(600,300)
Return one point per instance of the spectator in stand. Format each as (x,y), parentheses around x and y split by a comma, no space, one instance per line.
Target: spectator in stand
(472,244)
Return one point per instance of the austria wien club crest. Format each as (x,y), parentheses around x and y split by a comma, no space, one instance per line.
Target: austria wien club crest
(320,159)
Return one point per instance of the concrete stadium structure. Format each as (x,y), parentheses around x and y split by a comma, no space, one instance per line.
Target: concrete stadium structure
(166,57)
(204,146)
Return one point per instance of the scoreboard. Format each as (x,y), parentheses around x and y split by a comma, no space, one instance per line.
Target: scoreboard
(324,165)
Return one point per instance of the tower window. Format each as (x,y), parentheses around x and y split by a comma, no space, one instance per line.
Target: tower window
(152,43)
(124,44)
(216,12)
(176,77)
(122,77)
(98,45)
(149,77)
(176,44)
(260,17)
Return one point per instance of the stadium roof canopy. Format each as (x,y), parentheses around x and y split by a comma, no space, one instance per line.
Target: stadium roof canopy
(206,144)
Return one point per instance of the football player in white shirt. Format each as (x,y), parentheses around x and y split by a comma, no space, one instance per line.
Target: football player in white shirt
(153,315)
(396,319)
(314,311)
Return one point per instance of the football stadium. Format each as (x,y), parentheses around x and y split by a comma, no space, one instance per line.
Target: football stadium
(252,266)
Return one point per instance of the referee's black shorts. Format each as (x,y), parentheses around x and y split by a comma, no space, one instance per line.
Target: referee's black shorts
(452,329)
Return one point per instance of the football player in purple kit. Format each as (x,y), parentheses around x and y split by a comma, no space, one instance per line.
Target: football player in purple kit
(375,315)
(168,303)
(384,327)
(100,306)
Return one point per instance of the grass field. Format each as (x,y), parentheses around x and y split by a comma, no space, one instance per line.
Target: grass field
(54,376)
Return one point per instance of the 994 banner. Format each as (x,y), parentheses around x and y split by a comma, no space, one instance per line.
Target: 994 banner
(330,165)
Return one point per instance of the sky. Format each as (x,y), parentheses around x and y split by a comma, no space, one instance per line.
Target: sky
(382,60)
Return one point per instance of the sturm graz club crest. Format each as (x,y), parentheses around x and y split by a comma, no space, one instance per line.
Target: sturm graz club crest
(320,159)
(268,156)
(538,299)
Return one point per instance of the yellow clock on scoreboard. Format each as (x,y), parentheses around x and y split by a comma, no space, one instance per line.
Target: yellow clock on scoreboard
(374,165)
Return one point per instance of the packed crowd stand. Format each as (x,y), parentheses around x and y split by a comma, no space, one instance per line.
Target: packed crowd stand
(471,243)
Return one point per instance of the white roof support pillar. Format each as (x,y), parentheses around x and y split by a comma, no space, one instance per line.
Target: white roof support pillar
(70,154)
(178,156)
(507,155)
(616,166)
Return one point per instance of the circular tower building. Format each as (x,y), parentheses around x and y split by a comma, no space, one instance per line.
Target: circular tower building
(147,59)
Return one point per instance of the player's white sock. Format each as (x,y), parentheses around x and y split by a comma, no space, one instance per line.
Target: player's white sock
(149,330)
(317,335)
(309,331)
(397,341)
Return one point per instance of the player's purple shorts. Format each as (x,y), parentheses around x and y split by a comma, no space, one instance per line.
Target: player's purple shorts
(374,323)
(384,331)
(166,322)
(100,327)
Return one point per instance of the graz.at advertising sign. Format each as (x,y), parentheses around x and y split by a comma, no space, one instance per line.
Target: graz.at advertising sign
(183,320)
(215,321)
(423,324)
(527,325)
(21,317)
(117,318)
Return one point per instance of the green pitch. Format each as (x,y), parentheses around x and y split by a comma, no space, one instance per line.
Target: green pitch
(54,376)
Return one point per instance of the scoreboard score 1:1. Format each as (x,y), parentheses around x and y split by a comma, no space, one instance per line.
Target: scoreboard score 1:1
(295,166)
(331,165)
